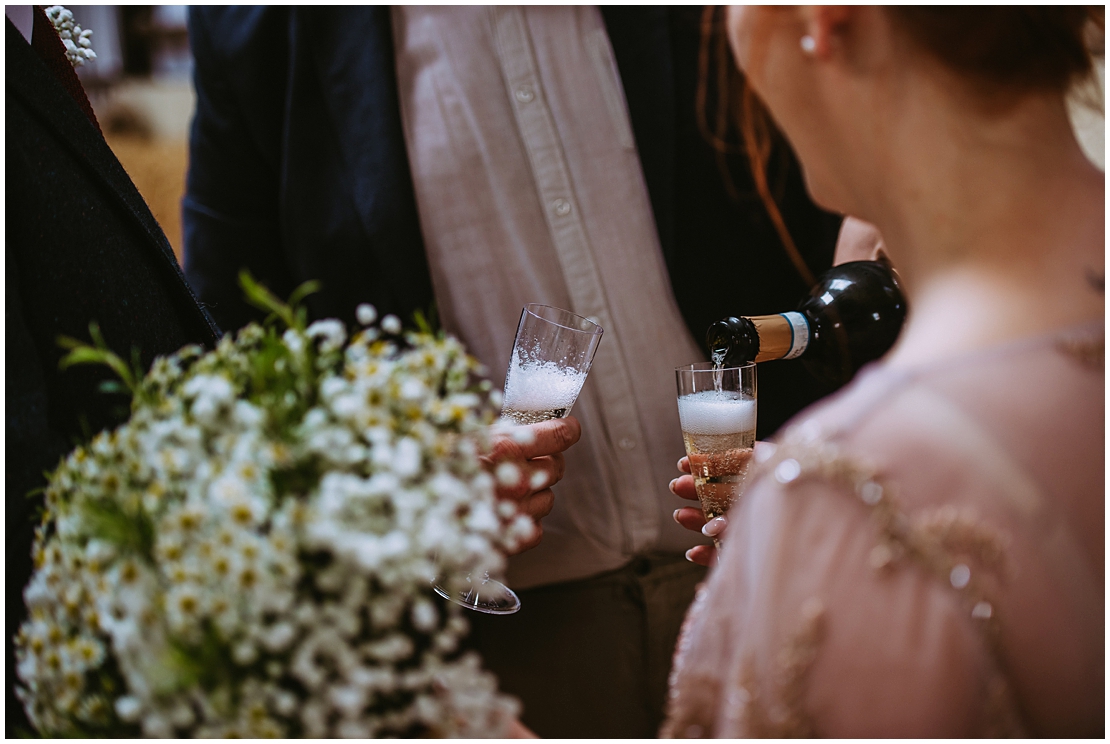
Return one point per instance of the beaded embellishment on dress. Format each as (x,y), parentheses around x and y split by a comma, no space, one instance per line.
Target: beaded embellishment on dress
(953,545)
(779,715)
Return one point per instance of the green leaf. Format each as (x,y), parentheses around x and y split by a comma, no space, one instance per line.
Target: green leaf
(433,317)
(185,666)
(297,480)
(421,322)
(82,355)
(309,287)
(262,298)
(99,353)
(290,312)
(97,336)
(108,521)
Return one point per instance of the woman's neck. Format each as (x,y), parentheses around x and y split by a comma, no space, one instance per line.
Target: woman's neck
(995,221)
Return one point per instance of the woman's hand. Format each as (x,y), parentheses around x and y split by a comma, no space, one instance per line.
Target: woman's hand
(527,461)
(692,517)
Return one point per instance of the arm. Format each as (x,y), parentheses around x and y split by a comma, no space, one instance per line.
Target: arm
(858,241)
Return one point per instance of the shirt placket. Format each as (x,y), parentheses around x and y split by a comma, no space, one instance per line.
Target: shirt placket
(556,193)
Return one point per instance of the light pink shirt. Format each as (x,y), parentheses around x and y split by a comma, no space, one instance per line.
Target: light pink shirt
(530,189)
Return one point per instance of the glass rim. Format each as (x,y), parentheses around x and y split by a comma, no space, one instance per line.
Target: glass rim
(711,367)
(596,329)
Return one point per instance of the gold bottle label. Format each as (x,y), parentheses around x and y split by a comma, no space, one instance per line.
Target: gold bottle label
(783,336)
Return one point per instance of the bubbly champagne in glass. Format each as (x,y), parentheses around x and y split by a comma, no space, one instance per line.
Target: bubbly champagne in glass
(538,391)
(717,412)
(719,432)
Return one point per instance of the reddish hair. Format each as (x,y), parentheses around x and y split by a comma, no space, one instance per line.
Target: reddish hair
(739,111)
(1007,48)
(1004,50)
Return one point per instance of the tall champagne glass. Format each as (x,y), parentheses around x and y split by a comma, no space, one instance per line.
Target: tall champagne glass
(552,354)
(717,409)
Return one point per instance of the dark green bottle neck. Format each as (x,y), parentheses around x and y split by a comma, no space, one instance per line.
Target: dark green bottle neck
(733,341)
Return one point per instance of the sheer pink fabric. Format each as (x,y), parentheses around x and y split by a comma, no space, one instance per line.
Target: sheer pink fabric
(922,556)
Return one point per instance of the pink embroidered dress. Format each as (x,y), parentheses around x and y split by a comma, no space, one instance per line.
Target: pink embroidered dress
(923,555)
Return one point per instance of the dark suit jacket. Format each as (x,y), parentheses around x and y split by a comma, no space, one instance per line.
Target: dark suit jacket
(81,246)
(298,171)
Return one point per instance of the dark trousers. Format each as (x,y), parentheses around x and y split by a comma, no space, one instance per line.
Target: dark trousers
(591,658)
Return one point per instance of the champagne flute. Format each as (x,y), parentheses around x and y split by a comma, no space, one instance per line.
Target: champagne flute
(717,410)
(552,354)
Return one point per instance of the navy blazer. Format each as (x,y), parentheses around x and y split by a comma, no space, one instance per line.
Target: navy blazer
(298,171)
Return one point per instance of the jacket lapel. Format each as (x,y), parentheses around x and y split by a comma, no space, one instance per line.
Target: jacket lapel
(28,79)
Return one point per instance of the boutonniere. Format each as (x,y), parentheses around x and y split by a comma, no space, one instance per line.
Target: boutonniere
(74,38)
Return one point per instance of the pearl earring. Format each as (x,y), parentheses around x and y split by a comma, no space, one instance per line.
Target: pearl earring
(809,44)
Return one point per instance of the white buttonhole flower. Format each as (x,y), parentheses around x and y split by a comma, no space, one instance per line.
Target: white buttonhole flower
(76,40)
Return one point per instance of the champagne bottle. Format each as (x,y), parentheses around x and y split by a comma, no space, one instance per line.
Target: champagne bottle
(852,316)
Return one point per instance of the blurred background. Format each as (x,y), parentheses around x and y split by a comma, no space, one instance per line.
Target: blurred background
(140,86)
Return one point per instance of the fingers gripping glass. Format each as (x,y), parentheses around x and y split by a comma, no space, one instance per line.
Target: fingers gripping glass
(717,408)
(552,355)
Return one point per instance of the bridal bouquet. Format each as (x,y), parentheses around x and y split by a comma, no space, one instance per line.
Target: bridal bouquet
(252,554)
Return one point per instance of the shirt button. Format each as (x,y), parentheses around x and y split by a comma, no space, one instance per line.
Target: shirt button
(525,94)
(627,444)
(561,207)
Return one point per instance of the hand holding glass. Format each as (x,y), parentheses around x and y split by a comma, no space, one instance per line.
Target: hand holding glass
(717,411)
(552,355)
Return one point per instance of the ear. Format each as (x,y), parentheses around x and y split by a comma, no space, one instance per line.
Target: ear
(827,25)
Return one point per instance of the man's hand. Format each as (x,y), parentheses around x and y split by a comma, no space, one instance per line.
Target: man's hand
(527,461)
